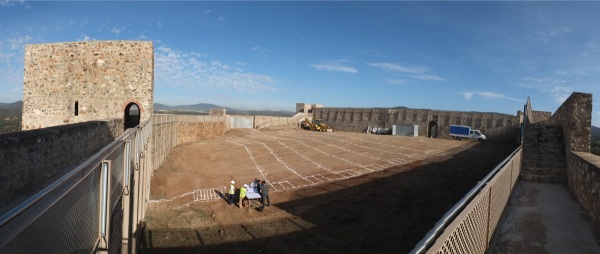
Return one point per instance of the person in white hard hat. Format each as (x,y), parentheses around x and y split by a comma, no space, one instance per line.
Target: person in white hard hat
(231,192)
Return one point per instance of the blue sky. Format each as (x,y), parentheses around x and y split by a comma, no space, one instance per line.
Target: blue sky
(463,56)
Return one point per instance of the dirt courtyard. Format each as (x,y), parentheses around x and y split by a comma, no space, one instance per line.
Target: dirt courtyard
(339,192)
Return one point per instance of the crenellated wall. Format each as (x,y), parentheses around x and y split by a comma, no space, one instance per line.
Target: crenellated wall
(431,122)
(30,159)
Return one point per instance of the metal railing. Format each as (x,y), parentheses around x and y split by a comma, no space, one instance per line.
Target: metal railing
(469,225)
(95,207)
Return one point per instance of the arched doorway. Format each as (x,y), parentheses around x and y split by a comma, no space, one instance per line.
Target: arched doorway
(132,115)
(432,129)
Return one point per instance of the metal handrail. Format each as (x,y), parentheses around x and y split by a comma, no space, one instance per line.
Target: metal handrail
(96,158)
(449,216)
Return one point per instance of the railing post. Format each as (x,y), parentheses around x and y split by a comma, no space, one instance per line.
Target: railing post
(104,207)
(126,235)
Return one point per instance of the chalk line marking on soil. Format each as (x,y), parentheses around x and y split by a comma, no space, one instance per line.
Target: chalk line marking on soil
(285,164)
(328,154)
(213,194)
(306,158)
(277,157)
(351,151)
(416,151)
(371,148)
(309,178)
(258,167)
(208,194)
(372,167)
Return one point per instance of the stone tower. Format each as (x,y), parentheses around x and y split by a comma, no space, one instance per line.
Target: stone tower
(84,81)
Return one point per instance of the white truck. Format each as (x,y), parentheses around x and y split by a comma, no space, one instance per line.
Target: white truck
(461,131)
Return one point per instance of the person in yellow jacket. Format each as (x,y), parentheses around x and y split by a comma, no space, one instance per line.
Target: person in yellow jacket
(231,192)
(243,191)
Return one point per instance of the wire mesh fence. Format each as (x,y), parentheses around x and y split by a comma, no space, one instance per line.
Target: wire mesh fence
(87,209)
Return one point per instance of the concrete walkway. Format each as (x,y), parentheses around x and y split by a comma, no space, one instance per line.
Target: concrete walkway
(545,218)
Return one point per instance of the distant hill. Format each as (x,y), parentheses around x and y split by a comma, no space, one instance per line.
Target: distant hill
(205,108)
(14,105)
(10,117)
(595,132)
(201,107)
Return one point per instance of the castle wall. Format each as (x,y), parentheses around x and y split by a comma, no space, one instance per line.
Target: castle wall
(495,126)
(29,160)
(584,182)
(194,128)
(164,137)
(275,122)
(544,154)
(84,81)
(575,117)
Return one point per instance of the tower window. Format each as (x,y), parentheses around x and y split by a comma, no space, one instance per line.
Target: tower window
(76,108)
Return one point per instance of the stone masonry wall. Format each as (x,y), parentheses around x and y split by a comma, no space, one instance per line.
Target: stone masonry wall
(85,81)
(274,122)
(164,137)
(29,160)
(190,132)
(194,128)
(584,179)
(544,154)
(169,131)
(494,125)
(575,116)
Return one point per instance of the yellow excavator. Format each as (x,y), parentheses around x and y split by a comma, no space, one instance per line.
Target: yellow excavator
(316,125)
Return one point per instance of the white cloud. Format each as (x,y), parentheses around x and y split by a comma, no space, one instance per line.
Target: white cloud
(428,77)
(335,66)
(220,18)
(115,30)
(561,94)
(557,88)
(176,68)
(18,42)
(489,95)
(262,52)
(543,37)
(142,37)
(411,71)
(392,67)
(8,3)
(84,38)
(492,95)
(395,81)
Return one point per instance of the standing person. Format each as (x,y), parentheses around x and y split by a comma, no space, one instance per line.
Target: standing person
(257,188)
(231,192)
(243,191)
(264,194)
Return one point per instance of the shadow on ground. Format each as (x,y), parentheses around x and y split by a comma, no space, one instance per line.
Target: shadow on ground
(383,212)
